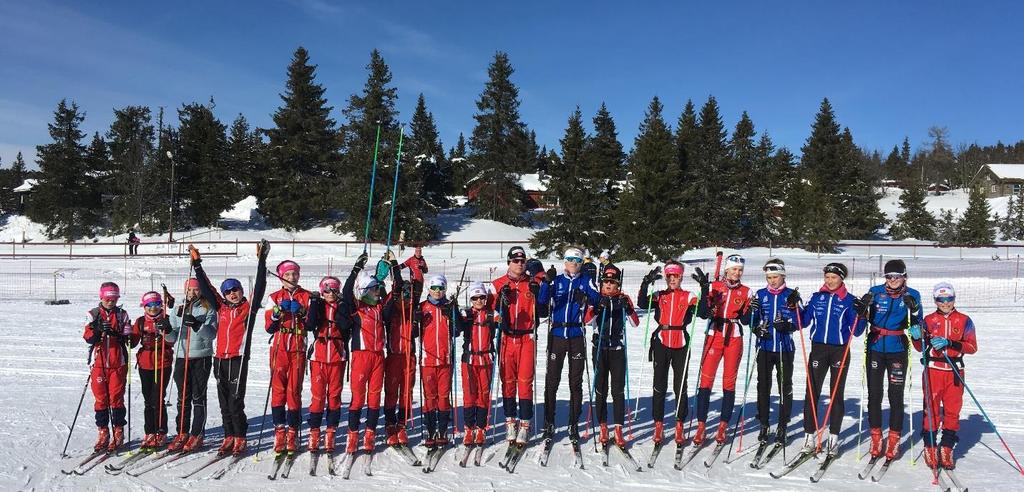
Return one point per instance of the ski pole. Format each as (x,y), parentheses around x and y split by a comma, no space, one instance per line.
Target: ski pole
(71,430)
(909,388)
(959,377)
(811,398)
(837,382)
(929,406)
(492,387)
(647,326)
(860,410)
(741,421)
(625,359)
(597,374)
(688,338)
(394,188)
(266,402)
(373,179)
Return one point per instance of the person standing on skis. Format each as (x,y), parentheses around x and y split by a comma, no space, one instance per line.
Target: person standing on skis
(479,326)
(193,330)
(368,309)
(674,309)
(946,333)
(774,324)
(437,325)
(726,306)
(608,318)
(834,317)
(569,294)
(154,361)
(286,321)
(518,291)
(400,366)
(327,358)
(107,330)
(894,309)
(230,367)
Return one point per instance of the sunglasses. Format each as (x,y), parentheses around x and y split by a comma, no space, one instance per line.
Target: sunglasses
(891,276)
(478,298)
(574,259)
(610,281)
(437,288)
(518,261)
(236,289)
(329,291)
(945,299)
(154,304)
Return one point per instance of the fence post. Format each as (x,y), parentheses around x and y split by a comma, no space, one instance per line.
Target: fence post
(879,265)
(961,252)
(452,255)
(293,247)
(30,278)
(346,248)
(915,251)
(71,249)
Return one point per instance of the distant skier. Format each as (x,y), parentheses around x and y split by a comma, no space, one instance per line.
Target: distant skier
(417,268)
(674,309)
(608,318)
(154,360)
(106,331)
(774,324)
(946,333)
(569,294)
(726,306)
(888,347)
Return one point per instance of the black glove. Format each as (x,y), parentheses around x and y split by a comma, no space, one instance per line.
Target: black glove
(701,278)
(105,327)
(163,324)
(361,261)
(760,331)
(863,305)
(793,299)
(653,275)
(315,302)
(534,288)
(190,322)
(784,326)
(454,302)
(579,296)
(911,303)
(550,274)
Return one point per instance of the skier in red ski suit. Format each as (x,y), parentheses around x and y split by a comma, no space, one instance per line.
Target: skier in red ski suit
(107,331)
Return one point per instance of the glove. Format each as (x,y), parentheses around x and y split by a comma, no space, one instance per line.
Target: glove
(361,261)
(275,314)
(915,332)
(105,327)
(653,275)
(407,290)
(390,256)
(291,306)
(761,330)
(190,322)
(315,302)
(784,326)
(911,303)
(579,296)
(701,278)
(863,306)
(535,288)
(163,325)
(793,299)
(550,274)
(193,253)
(939,343)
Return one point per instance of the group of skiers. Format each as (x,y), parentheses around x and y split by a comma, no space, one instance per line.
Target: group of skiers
(382,341)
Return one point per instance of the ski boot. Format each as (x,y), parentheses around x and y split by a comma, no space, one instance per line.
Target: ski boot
(279,438)
(178,442)
(511,429)
(659,432)
(226,446)
(680,436)
(291,439)
(930,457)
(194,443)
(403,437)
(781,436)
(102,439)
(314,440)
(723,428)
(946,456)
(329,439)
(470,436)
(241,446)
(574,433)
(875,450)
(523,436)
(368,440)
(391,435)
(603,437)
(698,437)
(893,443)
(832,447)
(620,441)
(353,442)
(481,435)
(762,436)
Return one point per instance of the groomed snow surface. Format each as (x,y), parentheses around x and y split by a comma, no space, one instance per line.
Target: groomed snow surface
(43,369)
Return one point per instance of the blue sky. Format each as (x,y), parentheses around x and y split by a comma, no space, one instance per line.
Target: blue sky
(890,68)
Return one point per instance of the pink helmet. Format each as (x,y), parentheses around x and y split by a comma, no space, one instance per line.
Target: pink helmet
(287,266)
(149,297)
(192,283)
(109,290)
(674,268)
(330,284)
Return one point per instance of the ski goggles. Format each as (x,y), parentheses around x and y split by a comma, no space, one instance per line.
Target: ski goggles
(895,275)
(154,304)
(478,298)
(436,288)
(517,261)
(573,259)
(945,299)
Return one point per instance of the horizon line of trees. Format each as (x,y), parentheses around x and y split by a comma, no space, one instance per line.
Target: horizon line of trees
(678,186)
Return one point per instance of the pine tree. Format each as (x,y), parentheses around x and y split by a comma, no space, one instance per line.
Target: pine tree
(374,106)
(302,179)
(914,220)
(650,214)
(138,194)
(714,202)
(767,190)
(605,166)
(204,184)
(1015,215)
(424,145)
(10,179)
(499,147)
(571,222)
(976,226)
(244,154)
(97,162)
(460,169)
(947,230)
(64,198)
(686,140)
(744,161)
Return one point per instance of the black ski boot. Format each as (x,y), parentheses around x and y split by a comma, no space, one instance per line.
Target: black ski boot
(781,435)
(549,432)
(574,434)
(763,435)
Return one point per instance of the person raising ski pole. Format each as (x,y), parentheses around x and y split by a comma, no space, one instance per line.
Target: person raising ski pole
(286,322)
(889,316)
(400,368)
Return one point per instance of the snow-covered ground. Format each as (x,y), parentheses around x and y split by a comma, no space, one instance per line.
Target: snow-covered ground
(43,368)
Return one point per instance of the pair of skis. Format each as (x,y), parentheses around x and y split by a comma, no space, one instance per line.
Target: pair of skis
(549,444)
(803,457)
(765,452)
(88,463)
(605,447)
(282,464)
(349,461)
(434,454)
(475,450)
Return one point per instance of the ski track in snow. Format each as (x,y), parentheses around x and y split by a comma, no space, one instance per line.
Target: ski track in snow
(43,368)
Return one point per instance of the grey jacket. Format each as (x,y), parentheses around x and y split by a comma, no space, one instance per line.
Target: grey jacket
(201,341)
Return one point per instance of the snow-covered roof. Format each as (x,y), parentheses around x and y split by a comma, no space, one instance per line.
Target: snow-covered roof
(26,186)
(532,182)
(1007,171)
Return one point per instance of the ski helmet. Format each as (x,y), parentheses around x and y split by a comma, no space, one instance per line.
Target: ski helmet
(230,284)
(110,290)
(151,296)
(287,266)
(330,284)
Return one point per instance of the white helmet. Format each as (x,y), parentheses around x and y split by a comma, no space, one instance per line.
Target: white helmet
(477,289)
(437,281)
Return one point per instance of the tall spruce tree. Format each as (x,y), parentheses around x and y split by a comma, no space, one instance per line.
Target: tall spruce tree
(131,177)
(947,229)
(976,227)
(1014,218)
(11,179)
(97,161)
(460,169)
(571,222)
(766,190)
(914,220)
(244,154)
(650,215)
(302,178)
(425,148)
(205,185)
(713,199)
(65,199)
(744,161)
(500,147)
(605,167)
